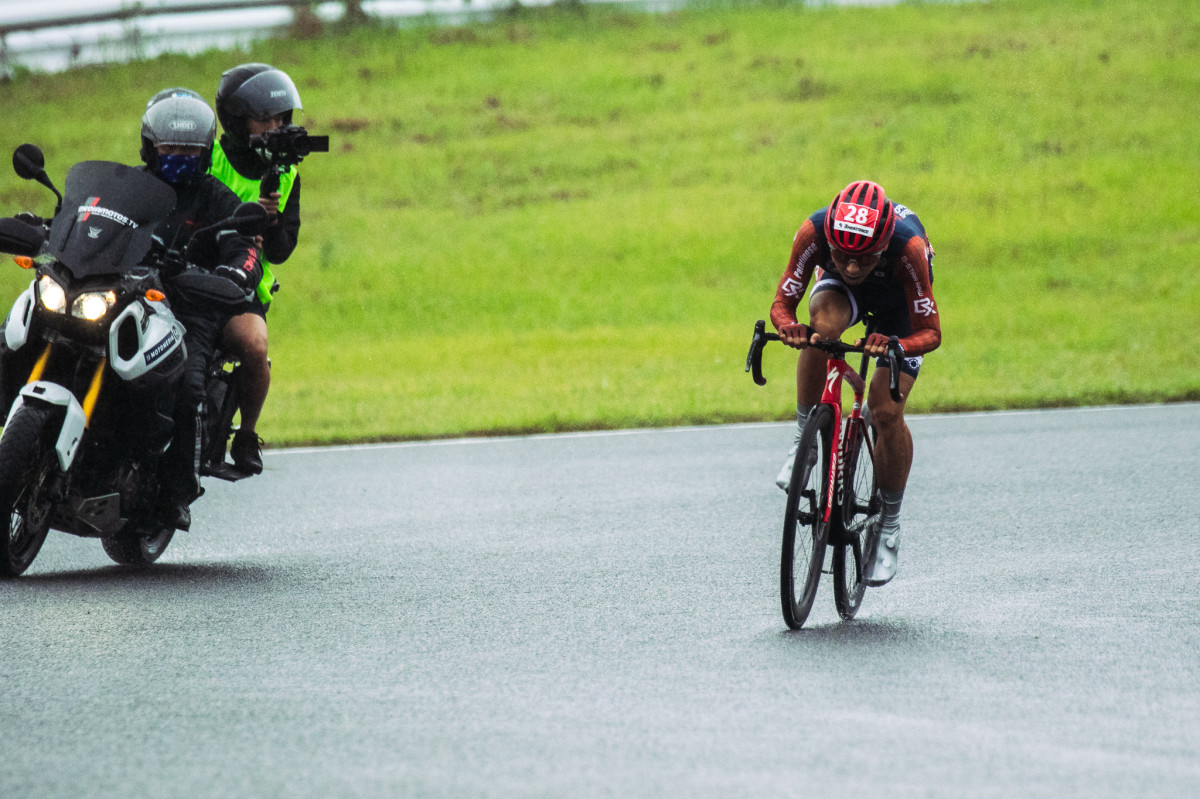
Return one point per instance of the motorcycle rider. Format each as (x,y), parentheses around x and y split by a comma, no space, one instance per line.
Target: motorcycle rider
(178,129)
(253,99)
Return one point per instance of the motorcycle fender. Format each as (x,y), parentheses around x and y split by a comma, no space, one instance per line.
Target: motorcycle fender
(16,327)
(158,333)
(74,422)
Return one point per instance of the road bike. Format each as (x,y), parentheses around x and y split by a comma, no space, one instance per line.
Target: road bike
(833,502)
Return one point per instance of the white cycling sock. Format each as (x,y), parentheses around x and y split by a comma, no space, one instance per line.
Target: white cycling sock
(889,522)
(802,412)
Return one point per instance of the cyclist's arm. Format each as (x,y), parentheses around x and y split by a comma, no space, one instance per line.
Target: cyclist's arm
(912,269)
(795,278)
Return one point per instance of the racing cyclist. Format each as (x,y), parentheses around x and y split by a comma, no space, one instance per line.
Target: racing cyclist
(867,255)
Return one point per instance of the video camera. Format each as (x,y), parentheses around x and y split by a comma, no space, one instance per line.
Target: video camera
(287,146)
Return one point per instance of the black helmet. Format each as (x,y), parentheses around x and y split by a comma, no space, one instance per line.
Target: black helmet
(177,116)
(254,91)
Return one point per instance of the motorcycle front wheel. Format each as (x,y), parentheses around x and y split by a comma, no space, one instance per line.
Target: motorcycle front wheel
(27,461)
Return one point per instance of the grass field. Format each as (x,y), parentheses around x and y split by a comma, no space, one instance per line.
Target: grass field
(571,218)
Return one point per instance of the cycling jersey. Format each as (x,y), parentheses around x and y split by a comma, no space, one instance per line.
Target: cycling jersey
(900,287)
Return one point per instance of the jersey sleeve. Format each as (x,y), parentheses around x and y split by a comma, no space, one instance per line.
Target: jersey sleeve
(794,283)
(279,240)
(913,271)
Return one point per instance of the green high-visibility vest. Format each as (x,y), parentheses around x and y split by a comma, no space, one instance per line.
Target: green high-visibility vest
(248,190)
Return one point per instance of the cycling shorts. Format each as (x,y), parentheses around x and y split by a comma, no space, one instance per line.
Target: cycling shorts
(888,308)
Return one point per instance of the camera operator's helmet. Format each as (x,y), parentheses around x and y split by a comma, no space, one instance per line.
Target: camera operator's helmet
(254,91)
(180,117)
(860,218)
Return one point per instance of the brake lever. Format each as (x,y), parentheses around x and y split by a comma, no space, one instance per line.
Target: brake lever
(895,353)
(754,357)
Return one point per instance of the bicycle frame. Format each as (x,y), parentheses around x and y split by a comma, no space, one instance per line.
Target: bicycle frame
(838,370)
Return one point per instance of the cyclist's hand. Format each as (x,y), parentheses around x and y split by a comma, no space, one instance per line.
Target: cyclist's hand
(795,335)
(875,345)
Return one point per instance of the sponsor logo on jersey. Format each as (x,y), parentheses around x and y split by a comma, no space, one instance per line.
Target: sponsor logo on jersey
(925,306)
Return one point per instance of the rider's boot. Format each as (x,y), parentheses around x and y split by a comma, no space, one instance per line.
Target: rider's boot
(784,478)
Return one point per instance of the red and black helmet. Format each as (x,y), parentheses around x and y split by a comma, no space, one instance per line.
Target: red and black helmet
(860,218)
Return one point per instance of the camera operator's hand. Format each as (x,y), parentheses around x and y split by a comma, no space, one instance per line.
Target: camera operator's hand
(239,277)
(271,203)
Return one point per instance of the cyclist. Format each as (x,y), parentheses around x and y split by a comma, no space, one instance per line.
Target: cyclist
(868,255)
(251,100)
(178,129)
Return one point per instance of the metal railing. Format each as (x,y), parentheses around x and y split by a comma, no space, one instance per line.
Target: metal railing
(101,35)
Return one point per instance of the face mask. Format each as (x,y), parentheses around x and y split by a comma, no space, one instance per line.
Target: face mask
(176,169)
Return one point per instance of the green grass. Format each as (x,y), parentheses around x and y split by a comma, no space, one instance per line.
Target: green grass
(571,219)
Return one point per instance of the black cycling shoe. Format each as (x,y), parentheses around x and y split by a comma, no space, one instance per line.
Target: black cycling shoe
(246,451)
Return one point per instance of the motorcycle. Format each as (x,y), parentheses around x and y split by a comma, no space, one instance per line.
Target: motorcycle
(92,357)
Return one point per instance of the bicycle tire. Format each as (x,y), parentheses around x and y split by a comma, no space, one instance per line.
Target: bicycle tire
(860,507)
(804,531)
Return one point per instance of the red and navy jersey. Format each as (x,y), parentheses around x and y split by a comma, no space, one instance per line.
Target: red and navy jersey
(901,282)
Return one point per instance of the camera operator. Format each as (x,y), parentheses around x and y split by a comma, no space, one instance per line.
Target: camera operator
(252,101)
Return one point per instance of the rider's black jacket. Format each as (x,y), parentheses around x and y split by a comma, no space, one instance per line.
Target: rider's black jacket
(279,240)
(202,202)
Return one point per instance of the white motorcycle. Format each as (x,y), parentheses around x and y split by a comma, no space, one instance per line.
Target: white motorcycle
(92,356)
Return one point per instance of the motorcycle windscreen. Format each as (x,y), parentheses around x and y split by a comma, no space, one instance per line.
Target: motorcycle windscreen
(109,213)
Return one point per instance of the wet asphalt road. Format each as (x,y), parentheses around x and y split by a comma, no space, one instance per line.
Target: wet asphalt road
(597,615)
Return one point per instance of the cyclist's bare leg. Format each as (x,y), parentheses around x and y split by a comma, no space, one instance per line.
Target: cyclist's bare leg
(894,448)
(829,315)
(893,459)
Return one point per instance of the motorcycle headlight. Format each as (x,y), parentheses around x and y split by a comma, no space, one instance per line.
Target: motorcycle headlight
(93,305)
(52,295)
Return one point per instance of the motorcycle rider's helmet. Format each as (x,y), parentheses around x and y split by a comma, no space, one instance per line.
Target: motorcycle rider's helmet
(178,117)
(254,91)
(860,218)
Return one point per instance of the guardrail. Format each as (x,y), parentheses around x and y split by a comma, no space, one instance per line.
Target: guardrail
(133,38)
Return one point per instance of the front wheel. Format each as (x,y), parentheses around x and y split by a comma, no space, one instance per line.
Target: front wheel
(860,507)
(805,530)
(27,464)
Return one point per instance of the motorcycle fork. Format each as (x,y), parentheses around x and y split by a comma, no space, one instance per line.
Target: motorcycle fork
(94,384)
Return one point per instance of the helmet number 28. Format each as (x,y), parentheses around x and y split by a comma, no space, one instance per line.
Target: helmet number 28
(857,214)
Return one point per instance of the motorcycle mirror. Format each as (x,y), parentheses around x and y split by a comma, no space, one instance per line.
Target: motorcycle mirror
(250,219)
(30,164)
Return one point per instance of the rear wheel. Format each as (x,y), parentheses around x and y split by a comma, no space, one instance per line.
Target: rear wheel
(804,531)
(222,405)
(859,513)
(138,550)
(27,464)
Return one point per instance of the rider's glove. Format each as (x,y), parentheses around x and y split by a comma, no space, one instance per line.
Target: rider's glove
(240,277)
(796,328)
(876,340)
(30,219)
